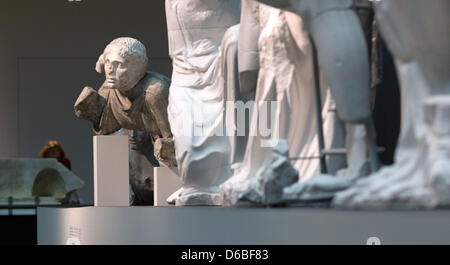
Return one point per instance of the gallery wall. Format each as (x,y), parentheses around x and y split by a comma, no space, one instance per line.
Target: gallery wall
(48,51)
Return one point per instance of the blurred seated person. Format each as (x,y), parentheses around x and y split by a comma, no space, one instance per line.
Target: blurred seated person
(53,149)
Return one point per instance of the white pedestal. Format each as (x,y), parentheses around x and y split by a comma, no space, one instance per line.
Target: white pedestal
(111,171)
(166,183)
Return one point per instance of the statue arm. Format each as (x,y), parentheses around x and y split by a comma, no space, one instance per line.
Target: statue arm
(157,101)
(89,106)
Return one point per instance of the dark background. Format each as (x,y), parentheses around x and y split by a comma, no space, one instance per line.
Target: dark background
(48,51)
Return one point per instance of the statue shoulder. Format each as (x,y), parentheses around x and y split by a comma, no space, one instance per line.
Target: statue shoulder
(156,83)
(156,87)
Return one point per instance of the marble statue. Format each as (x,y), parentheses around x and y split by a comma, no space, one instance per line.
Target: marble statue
(285,81)
(418,34)
(203,46)
(344,67)
(345,56)
(25,179)
(132,101)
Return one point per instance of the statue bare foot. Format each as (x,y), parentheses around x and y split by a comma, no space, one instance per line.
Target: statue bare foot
(419,179)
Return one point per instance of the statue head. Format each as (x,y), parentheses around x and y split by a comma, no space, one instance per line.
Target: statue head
(124,63)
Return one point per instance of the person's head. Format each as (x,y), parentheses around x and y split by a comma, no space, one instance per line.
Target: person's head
(124,63)
(52,149)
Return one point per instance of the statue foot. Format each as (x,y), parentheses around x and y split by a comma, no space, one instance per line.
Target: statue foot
(199,197)
(266,186)
(421,176)
(318,189)
(397,186)
(172,199)
(237,184)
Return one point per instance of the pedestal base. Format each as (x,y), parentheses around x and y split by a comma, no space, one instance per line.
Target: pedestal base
(238,226)
(111,171)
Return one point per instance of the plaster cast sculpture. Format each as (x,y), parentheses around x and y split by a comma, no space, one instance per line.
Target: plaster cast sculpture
(346,56)
(353,137)
(25,179)
(203,47)
(285,85)
(131,98)
(132,101)
(344,63)
(418,34)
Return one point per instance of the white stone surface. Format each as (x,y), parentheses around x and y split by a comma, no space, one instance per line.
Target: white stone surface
(420,177)
(286,78)
(343,56)
(166,182)
(318,189)
(111,171)
(344,65)
(203,46)
(266,186)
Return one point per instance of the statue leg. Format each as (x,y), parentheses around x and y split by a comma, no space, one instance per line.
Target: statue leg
(343,58)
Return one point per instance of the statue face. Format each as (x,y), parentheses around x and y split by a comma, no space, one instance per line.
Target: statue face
(121,73)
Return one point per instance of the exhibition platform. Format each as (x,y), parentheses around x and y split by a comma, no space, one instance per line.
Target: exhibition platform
(238,226)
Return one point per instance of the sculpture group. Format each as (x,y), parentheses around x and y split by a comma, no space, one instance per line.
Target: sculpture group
(300,69)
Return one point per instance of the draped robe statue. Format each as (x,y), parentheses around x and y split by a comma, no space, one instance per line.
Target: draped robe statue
(285,85)
(342,53)
(203,47)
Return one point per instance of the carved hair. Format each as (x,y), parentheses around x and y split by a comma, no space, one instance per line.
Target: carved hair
(128,47)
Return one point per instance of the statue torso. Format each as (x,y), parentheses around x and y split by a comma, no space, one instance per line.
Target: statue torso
(121,112)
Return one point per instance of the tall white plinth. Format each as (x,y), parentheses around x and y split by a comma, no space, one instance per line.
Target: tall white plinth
(111,171)
(166,183)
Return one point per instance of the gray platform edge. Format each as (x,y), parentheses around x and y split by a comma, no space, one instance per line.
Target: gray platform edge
(239,226)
